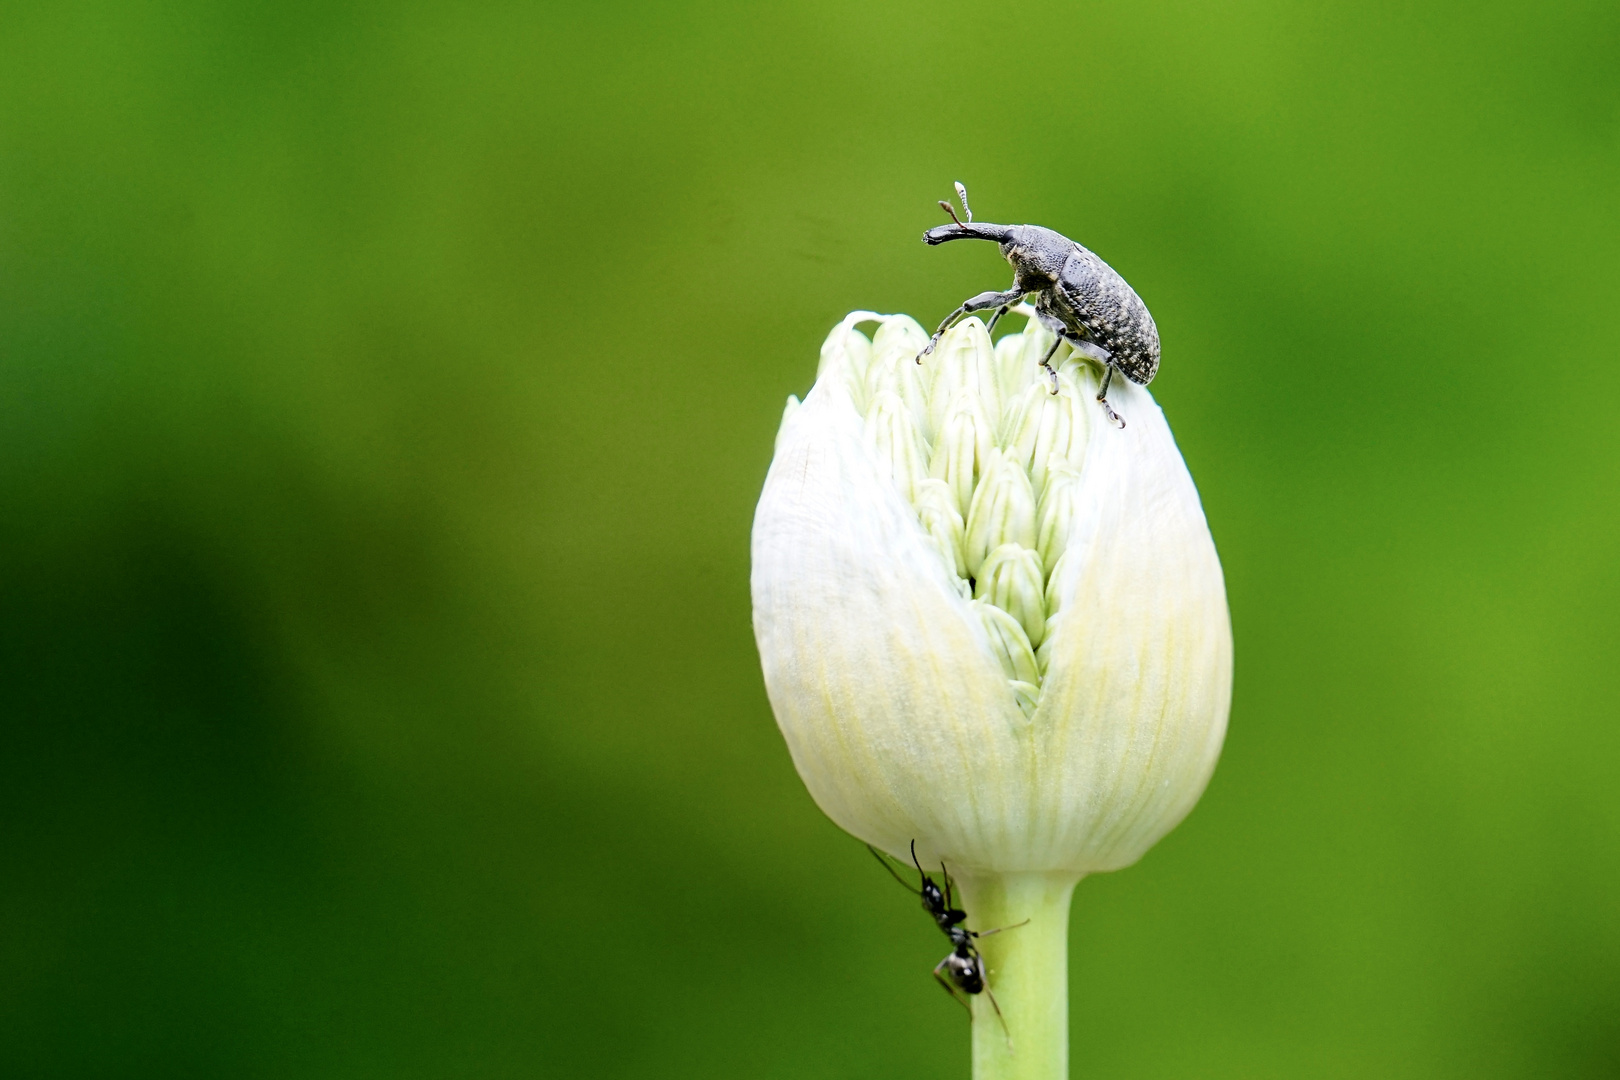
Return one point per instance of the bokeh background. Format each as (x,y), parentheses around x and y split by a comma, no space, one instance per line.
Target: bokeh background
(384,394)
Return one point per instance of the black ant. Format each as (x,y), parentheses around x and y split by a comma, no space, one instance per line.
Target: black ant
(964,966)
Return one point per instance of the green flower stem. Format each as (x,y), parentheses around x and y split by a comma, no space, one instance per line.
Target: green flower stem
(1028,972)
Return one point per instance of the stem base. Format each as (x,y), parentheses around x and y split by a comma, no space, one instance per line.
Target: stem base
(1028,972)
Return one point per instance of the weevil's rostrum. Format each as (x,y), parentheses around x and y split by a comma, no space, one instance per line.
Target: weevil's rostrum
(1078,297)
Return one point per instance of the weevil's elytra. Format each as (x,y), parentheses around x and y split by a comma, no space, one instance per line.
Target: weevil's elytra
(1078,297)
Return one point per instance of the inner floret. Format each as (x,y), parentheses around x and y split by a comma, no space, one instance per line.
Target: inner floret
(988,457)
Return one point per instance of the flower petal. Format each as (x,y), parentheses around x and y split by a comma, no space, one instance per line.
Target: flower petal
(898,716)
(1139,667)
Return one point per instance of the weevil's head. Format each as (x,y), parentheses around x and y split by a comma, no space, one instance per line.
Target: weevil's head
(1036,254)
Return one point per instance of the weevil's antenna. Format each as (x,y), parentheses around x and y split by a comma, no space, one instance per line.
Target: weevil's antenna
(961,193)
(951,210)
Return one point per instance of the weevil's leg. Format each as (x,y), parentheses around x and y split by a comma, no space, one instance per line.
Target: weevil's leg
(1087,347)
(1046,363)
(999,929)
(1106,359)
(981,302)
(944,326)
(1004,308)
(949,989)
(1102,397)
(985,301)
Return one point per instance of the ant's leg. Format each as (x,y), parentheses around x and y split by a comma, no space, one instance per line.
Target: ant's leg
(999,929)
(885,864)
(978,303)
(951,990)
(1004,1032)
(1046,362)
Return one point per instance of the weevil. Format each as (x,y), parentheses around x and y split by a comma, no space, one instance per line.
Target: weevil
(1078,297)
(963,965)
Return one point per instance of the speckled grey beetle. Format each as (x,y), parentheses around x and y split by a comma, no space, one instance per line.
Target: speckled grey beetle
(1078,297)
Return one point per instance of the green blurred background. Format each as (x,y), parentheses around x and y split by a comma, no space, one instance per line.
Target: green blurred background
(386,389)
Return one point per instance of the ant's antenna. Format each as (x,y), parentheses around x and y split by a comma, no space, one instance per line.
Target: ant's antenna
(961,193)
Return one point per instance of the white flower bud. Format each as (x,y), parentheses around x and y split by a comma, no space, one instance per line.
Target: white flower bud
(1059,583)
(1003,510)
(846,353)
(1011,579)
(962,448)
(1012,372)
(1058,510)
(1044,426)
(892,438)
(893,366)
(1026,695)
(1008,642)
(936,509)
(1018,356)
(1070,713)
(964,362)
